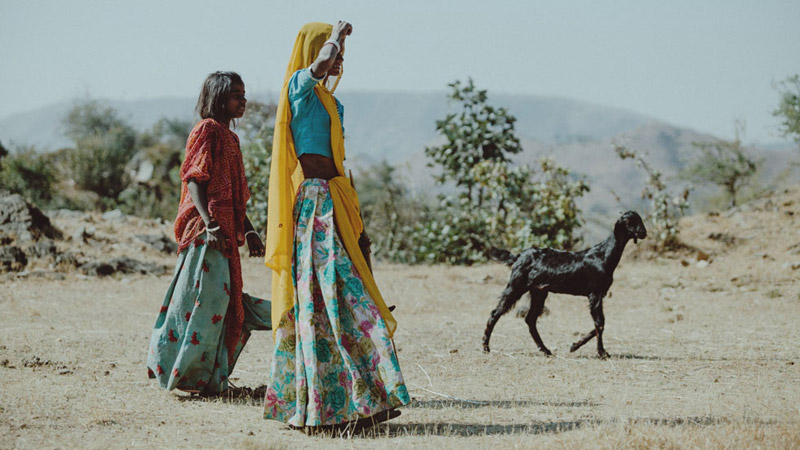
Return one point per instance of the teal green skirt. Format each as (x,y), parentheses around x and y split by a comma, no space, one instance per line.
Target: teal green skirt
(187,348)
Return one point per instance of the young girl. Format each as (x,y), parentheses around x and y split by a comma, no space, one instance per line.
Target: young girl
(205,319)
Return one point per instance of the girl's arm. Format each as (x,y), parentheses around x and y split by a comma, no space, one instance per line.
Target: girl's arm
(327,55)
(197,191)
(253,239)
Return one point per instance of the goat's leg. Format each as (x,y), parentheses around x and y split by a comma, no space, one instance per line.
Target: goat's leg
(511,295)
(537,305)
(583,340)
(596,307)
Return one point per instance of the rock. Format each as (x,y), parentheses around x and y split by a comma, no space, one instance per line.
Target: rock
(123,265)
(725,238)
(702,256)
(702,264)
(47,274)
(114,215)
(792,265)
(68,259)
(67,214)
(159,242)
(24,221)
(43,249)
(98,269)
(12,259)
(83,234)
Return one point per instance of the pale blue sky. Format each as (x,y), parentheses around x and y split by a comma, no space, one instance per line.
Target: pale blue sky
(699,64)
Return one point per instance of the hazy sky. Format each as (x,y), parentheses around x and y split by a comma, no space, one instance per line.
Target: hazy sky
(699,64)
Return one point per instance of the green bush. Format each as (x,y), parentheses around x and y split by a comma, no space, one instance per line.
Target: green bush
(103,146)
(28,173)
(666,208)
(495,204)
(789,107)
(724,163)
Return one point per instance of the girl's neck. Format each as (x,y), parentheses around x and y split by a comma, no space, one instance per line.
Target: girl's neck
(224,121)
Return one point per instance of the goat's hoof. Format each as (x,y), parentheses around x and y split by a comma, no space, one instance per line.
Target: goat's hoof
(574,347)
(603,355)
(546,352)
(485,348)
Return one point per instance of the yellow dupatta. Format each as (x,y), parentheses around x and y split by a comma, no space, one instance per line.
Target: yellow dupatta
(285,176)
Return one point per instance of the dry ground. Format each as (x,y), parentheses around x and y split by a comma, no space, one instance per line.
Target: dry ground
(701,357)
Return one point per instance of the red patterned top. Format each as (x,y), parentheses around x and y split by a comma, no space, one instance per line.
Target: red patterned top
(213,156)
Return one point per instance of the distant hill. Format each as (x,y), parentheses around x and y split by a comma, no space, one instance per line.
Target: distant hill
(379,125)
(397,126)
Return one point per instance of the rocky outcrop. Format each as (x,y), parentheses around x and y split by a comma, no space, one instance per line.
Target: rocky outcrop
(12,259)
(123,265)
(22,221)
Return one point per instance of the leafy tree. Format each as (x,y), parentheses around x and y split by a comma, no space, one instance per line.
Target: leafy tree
(28,173)
(496,204)
(666,209)
(104,143)
(255,129)
(789,107)
(479,132)
(724,163)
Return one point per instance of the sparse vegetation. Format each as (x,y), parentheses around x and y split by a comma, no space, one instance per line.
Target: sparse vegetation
(789,107)
(496,204)
(724,163)
(26,172)
(104,144)
(665,209)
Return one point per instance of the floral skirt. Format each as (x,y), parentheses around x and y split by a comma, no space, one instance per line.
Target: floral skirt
(187,348)
(334,361)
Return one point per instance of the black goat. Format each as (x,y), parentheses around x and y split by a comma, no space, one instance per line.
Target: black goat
(589,273)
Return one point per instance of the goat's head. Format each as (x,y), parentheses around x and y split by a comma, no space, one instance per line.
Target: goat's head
(629,226)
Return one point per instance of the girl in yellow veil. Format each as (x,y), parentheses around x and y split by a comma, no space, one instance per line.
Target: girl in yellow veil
(334,361)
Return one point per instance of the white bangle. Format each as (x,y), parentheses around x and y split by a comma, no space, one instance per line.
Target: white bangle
(251,231)
(216,228)
(335,44)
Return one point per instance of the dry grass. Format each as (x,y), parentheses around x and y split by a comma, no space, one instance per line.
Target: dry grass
(701,358)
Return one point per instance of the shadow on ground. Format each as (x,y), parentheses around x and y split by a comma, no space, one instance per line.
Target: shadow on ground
(469,404)
(234,395)
(476,429)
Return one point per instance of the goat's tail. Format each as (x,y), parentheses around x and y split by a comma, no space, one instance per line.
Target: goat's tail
(504,256)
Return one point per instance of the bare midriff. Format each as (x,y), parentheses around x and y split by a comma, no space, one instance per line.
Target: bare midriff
(318,166)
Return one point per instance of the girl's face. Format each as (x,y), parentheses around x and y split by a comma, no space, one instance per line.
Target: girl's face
(236,102)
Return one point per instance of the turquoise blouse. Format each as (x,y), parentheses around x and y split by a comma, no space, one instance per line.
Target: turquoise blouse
(311,125)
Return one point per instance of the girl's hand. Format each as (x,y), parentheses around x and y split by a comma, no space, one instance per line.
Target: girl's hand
(341,30)
(217,240)
(255,245)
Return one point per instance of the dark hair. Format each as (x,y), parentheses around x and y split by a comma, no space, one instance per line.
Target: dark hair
(216,89)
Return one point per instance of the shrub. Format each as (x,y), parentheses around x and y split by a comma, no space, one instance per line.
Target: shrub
(28,173)
(666,209)
(495,204)
(724,163)
(104,144)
